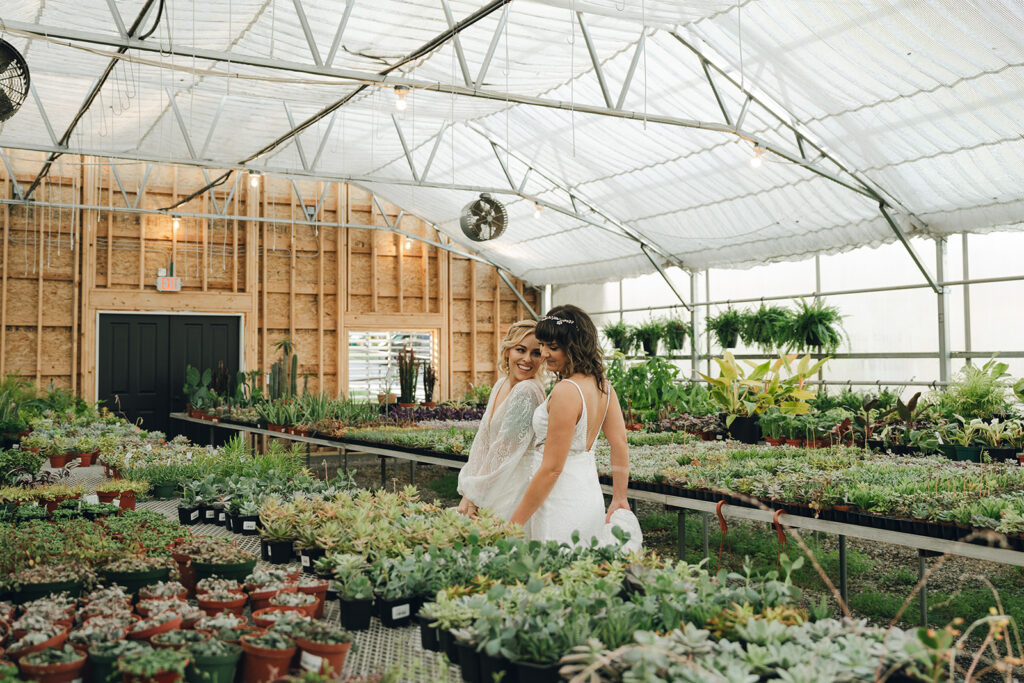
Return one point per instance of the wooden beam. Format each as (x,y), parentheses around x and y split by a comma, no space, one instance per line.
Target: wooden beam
(110,230)
(39,300)
(234,246)
(291,279)
(191,302)
(3,287)
(400,247)
(394,321)
(320,303)
(499,329)
(204,227)
(77,216)
(373,263)
(252,284)
(444,300)
(341,290)
(263,280)
(89,277)
(472,321)
(142,251)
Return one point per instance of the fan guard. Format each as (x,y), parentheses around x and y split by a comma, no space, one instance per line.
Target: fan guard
(483,219)
(14,80)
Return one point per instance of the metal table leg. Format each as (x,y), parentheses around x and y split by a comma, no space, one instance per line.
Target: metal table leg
(383,472)
(921,569)
(842,569)
(412,472)
(705,519)
(681,527)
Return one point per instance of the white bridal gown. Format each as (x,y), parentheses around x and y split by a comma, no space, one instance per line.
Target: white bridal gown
(576,503)
(499,467)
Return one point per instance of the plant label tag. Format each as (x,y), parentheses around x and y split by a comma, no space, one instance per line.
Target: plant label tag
(77,680)
(92,498)
(221,516)
(211,514)
(311,662)
(401,611)
(249,526)
(116,501)
(194,516)
(305,560)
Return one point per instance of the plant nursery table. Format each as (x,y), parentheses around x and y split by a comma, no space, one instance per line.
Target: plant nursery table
(925,545)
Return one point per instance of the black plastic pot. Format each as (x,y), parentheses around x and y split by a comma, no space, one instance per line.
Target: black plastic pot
(248,525)
(209,515)
(469,662)
(188,516)
(447,644)
(395,613)
(428,634)
(355,614)
(538,673)
(277,552)
(308,557)
(745,429)
(496,666)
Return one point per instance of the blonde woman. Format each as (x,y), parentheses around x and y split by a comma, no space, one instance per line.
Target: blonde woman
(498,470)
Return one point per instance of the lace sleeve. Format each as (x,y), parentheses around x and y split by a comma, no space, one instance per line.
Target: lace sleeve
(515,435)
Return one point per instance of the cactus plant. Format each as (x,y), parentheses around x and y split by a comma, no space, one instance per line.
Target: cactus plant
(429,379)
(408,368)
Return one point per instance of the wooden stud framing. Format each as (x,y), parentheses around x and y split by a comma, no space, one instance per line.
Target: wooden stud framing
(78,216)
(320,299)
(400,255)
(234,248)
(444,261)
(265,251)
(373,257)
(425,269)
(3,287)
(39,297)
(110,229)
(142,251)
(341,301)
(472,321)
(204,227)
(498,331)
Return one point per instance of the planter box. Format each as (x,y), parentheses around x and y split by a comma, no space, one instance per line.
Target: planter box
(355,614)
(277,552)
(397,612)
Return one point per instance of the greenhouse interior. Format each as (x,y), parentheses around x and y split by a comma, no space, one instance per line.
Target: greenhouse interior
(481,340)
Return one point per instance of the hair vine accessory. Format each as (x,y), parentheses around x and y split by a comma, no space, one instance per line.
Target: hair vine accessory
(559,321)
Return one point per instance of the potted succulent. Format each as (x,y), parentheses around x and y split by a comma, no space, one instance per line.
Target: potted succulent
(324,647)
(135,571)
(144,629)
(53,636)
(225,560)
(163,590)
(355,591)
(304,602)
(318,589)
(219,600)
(103,657)
(53,665)
(162,665)
(214,583)
(212,661)
(429,380)
(188,509)
(408,369)
(179,638)
(267,656)
(97,631)
(125,491)
(32,583)
(277,533)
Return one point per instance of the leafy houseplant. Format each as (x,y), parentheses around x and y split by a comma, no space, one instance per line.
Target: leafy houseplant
(676,330)
(768,328)
(726,327)
(429,380)
(620,335)
(816,326)
(408,369)
(647,335)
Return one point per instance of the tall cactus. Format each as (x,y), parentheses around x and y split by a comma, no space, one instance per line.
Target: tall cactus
(295,375)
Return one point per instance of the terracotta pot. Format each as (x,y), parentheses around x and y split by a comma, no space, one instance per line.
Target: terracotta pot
(53,673)
(57,641)
(156,598)
(187,573)
(106,496)
(322,658)
(215,607)
(772,441)
(260,598)
(58,460)
(262,665)
(160,677)
(85,459)
(796,443)
(146,634)
(127,500)
(263,622)
(320,591)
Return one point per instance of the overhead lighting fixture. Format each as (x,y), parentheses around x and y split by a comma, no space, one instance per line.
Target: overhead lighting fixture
(537,208)
(400,102)
(176,223)
(254,178)
(758,158)
(408,243)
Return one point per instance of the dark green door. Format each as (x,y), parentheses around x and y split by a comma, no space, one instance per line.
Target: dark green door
(143,360)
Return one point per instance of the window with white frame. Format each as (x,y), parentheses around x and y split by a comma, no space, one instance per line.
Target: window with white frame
(373,360)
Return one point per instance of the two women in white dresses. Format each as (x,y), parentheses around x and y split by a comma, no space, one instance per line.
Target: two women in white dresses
(532,461)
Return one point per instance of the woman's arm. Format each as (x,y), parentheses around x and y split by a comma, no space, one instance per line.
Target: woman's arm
(614,428)
(564,408)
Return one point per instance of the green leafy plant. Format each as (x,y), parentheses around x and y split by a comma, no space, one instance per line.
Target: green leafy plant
(149,663)
(429,380)
(647,335)
(768,328)
(408,370)
(816,326)
(741,394)
(620,335)
(726,327)
(676,331)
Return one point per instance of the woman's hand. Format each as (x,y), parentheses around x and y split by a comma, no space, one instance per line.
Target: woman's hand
(616,504)
(466,507)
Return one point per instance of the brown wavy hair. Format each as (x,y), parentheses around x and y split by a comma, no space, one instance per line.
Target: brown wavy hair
(573,331)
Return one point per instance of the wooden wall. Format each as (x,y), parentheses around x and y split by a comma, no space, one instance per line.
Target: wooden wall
(61,266)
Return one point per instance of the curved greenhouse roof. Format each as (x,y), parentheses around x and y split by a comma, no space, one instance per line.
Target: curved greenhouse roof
(631,123)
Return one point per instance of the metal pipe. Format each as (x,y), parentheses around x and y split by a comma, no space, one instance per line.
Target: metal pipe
(967,295)
(943,310)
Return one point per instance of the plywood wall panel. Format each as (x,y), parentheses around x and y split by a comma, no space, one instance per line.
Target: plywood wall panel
(22,302)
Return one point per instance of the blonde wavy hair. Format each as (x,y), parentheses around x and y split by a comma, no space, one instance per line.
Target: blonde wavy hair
(519,331)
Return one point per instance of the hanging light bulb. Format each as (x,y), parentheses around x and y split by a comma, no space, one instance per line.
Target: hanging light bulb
(400,102)
(176,223)
(537,208)
(254,178)
(408,243)
(758,158)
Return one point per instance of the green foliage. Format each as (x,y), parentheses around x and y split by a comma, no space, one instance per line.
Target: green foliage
(620,335)
(726,326)
(408,370)
(446,486)
(816,326)
(741,394)
(676,331)
(767,328)
(650,385)
(197,386)
(477,394)
(977,392)
(16,464)
(647,335)
(149,663)
(429,380)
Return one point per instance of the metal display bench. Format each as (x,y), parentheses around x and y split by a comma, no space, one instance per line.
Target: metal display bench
(926,546)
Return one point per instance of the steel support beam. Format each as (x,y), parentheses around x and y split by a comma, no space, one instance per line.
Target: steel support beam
(664,276)
(943,310)
(463,65)
(714,89)
(905,241)
(94,91)
(522,299)
(967,294)
(336,43)
(486,63)
(310,40)
(595,60)
(628,80)
(433,152)
(695,328)
(405,147)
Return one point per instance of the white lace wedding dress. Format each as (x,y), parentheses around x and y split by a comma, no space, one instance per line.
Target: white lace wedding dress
(576,503)
(499,466)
